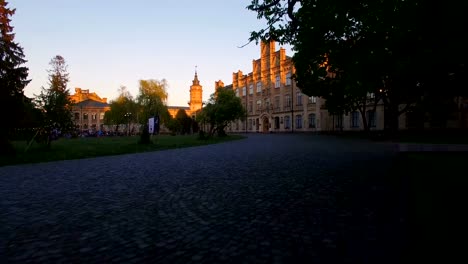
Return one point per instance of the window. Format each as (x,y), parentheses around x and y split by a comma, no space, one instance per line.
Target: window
(355,119)
(267,103)
(287,100)
(93,116)
(251,89)
(259,87)
(311,120)
(298,121)
(259,105)
(277,122)
(312,99)
(77,116)
(370,116)
(277,102)
(101,116)
(250,106)
(298,98)
(338,121)
(244,92)
(288,78)
(243,125)
(85,116)
(277,82)
(370,95)
(85,126)
(250,124)
(286,122)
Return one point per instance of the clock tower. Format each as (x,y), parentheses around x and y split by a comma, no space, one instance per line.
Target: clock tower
(195,95)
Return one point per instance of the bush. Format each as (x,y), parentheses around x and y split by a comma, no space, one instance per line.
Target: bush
(201,135)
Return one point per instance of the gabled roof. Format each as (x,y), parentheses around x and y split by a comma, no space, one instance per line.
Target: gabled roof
(92,103)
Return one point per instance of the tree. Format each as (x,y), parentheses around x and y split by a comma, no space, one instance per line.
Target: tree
(152,102)
(55,101)
(372,46)
(222,108)
(13,78)
(184,120)
(174,125)
(123,110)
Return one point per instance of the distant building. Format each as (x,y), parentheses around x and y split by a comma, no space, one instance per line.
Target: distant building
(88,110)
(196,100)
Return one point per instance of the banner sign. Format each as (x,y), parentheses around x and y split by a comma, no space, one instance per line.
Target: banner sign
(151,125)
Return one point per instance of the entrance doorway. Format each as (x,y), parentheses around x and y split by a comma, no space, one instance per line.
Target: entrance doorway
(265,125)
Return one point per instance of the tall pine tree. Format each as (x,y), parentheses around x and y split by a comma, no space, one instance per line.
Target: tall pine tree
(55,101)
(13,78)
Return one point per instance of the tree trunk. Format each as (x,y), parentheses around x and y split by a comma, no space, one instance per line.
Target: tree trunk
(145,136)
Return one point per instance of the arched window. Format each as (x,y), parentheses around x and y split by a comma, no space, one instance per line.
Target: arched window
(259,87)
(311,120)
(370,116)
(288,78)
(298,121)
(286,122)
(355,119)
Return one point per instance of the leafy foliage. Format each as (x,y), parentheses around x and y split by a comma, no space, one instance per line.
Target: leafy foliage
(221,109)
(152,101)
(402,51)
(185,121)
(123,110)
(13,78)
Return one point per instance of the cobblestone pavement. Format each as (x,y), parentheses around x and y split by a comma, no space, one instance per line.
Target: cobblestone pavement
(264,199)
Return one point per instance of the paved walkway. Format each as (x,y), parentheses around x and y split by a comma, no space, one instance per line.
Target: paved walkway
(417,147)
(265,199)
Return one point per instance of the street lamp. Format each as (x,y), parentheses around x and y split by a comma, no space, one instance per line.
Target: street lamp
(128,115)
(292,108)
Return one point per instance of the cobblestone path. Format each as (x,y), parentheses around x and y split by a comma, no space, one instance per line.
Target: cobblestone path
(264,199)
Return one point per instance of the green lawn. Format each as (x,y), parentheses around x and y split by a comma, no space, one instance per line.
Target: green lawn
(434,186)
(78,148)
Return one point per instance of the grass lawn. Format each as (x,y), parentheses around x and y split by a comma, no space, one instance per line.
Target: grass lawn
(434,186)
(78,148)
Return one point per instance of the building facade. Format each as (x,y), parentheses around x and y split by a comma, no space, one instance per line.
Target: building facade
(88,111)
(275,104)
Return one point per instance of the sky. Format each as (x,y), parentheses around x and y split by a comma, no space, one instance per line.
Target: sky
(110,43)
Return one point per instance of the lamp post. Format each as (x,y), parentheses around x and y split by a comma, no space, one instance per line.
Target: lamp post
(292,107)
(127,115)
(81,119)
(246,108)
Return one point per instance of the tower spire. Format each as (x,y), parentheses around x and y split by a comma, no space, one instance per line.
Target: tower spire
(195,79)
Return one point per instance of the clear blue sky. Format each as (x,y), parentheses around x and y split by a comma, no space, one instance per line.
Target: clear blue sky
(109,43)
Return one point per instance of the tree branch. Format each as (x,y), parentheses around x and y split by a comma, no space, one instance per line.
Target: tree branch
(294,20)
(263,7)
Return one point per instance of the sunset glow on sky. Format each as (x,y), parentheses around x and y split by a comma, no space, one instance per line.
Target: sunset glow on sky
(109,43)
